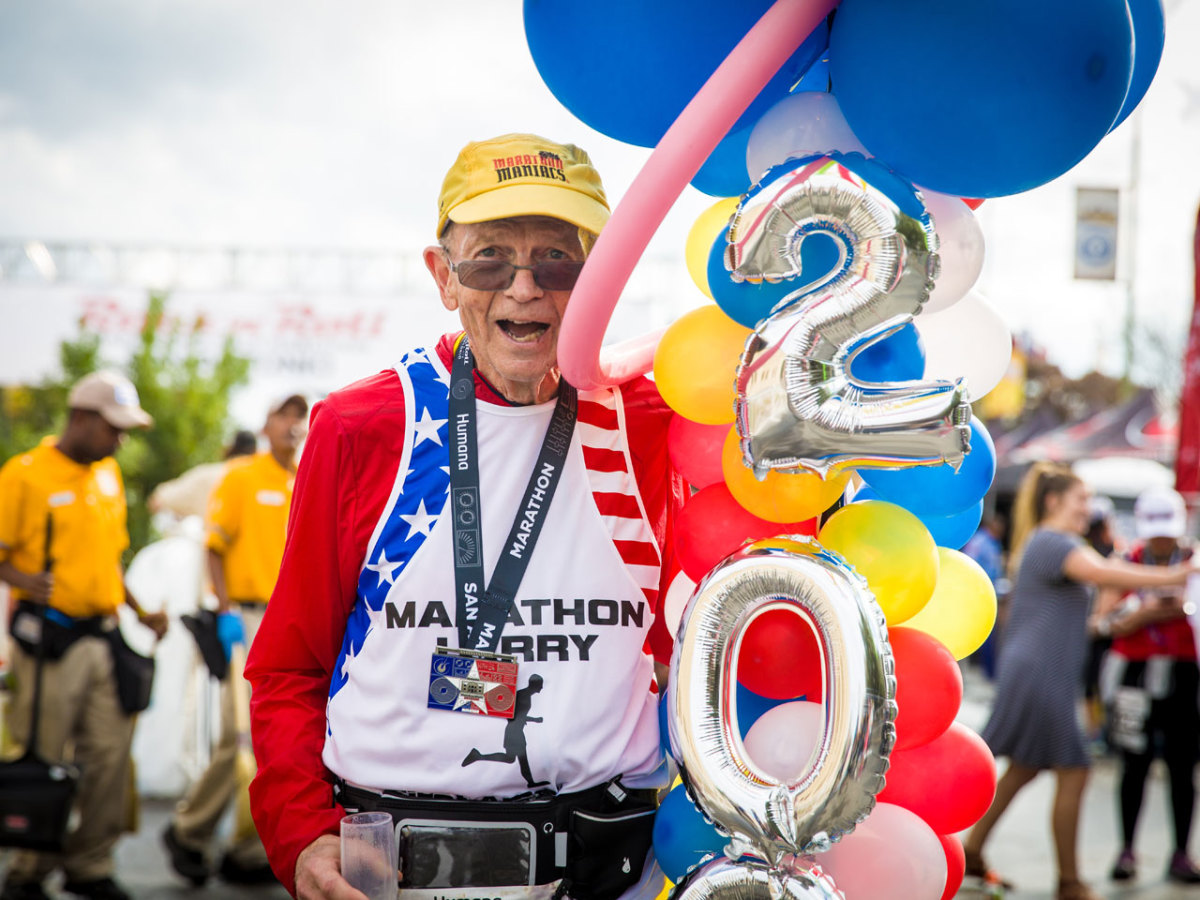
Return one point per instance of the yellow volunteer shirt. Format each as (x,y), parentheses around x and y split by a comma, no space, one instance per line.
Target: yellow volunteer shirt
(247,521)
(89,535)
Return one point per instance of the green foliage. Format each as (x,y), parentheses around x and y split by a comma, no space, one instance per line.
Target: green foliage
(188,397)
(31,412)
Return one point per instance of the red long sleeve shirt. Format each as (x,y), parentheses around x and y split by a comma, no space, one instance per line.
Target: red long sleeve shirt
(348,468)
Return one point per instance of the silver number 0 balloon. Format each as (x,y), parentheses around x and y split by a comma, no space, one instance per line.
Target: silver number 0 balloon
(798,407)
(769,819)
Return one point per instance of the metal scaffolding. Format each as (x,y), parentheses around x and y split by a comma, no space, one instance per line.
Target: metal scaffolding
(176,267)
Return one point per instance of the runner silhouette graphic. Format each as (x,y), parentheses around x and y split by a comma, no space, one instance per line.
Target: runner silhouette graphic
(514,735)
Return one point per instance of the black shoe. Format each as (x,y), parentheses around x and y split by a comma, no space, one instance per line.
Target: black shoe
(187,862)
(24,890)
(236,873)
(98,889)
(1125,867)
(1183,870)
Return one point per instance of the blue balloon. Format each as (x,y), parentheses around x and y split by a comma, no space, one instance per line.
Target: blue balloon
(1003,95)
(724,172)
(939,490)
(664,736)
(747,303)
(628,68)
(1149,33)
(816,78)
(751,706)
(864,493)
(954,531)
(682,838)
(898,357)
(951,531)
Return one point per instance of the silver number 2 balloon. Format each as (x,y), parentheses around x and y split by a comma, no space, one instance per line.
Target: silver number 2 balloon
(766,818)
(798,407)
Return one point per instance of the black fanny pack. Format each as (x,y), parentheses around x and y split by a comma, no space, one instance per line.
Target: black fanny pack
(56,632)
(595,842)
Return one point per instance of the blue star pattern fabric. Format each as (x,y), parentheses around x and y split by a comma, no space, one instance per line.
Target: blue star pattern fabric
(418,499)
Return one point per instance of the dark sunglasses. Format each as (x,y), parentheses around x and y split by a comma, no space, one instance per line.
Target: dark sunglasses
(498,275)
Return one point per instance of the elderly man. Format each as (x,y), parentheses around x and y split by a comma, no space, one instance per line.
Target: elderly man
(464,633)
(62,533)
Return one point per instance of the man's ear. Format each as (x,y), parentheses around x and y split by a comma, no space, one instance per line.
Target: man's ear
(439,268)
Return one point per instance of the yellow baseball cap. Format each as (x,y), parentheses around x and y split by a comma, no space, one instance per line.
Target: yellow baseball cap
(522,175)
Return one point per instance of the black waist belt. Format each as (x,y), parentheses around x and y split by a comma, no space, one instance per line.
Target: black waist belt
(595,841)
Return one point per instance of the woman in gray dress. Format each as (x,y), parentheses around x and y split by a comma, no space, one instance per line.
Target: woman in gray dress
(1034,719)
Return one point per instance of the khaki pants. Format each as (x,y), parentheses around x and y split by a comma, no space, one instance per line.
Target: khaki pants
(199,813)
(79,707)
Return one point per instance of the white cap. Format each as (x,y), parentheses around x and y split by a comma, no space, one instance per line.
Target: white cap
(1160,512)
(113,396)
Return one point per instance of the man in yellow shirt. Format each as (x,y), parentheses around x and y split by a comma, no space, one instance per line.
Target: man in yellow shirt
(246,523)
(73,566)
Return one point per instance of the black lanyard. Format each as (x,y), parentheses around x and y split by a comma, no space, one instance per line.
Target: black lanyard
(482,612)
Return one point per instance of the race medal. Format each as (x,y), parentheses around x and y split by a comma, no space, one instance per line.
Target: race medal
(470,681)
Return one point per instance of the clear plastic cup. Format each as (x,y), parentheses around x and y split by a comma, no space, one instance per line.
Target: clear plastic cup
(369,854)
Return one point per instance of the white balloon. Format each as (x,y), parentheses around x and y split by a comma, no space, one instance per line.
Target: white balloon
(782,740)
(678,594)
(969,340)
(799,125)
(893,855)
(960,249)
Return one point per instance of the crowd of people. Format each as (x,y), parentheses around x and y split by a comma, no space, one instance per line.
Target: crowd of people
(1072,595)
(462,571)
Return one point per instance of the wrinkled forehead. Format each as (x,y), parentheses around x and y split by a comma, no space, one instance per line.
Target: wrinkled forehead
(543,229)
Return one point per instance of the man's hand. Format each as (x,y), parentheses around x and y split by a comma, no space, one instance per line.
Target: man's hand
(155,621)
(319,872)
(39,586)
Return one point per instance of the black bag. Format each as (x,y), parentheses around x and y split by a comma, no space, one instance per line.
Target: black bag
(608,850)
(134,673)
(203,627)
(35,795)
(35,802)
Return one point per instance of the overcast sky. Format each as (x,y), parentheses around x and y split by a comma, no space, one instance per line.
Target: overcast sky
(296,122)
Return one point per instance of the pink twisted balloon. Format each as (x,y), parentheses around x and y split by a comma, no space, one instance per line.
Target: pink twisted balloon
(676,159)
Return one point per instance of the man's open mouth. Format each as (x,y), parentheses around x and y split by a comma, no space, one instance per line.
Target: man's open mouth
(522,332)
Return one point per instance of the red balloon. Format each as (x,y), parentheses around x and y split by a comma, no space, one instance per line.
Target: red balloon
(956,864)
(973,202)
(712,525)
(695,450)
(929,686)
(949,782)
(780,658)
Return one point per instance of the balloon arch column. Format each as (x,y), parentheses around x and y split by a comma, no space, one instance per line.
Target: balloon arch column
(815,681)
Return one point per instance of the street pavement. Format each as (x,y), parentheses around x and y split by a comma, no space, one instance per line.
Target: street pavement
(1020,847)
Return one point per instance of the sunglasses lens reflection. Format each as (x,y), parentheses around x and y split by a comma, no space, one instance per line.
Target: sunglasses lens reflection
(497,275)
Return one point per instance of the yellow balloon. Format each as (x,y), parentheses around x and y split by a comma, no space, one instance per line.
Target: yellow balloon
(962,610)
(892,549)
(781,496)
(701,237)
(696,363)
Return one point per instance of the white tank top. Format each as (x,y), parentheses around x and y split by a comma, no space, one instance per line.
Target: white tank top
(585,709)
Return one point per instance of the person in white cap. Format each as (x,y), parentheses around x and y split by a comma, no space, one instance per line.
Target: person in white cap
(62,533)
(1150,680)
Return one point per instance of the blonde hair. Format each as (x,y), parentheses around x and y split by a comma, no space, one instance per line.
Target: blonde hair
(1043,480)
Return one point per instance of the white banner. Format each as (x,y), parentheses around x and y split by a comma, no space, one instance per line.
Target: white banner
(304,343)
(1097,213)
